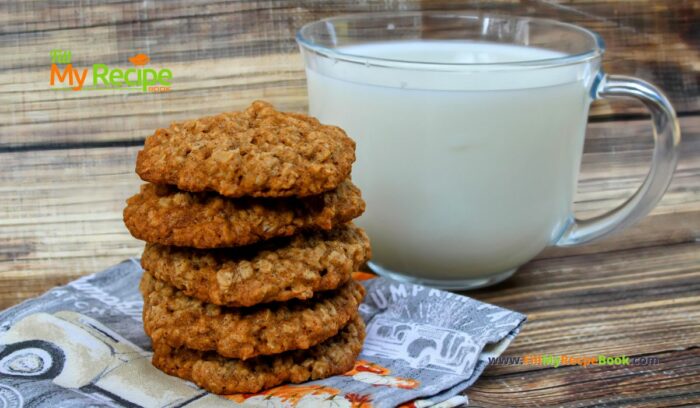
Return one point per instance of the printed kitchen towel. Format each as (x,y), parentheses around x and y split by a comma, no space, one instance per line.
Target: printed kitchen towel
(83,344)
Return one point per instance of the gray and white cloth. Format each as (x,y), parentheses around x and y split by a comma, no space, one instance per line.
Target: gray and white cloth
(83,345)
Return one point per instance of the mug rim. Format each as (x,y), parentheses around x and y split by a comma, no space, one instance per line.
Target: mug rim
(593,53)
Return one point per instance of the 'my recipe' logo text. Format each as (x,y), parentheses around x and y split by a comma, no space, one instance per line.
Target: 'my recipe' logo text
(64,76)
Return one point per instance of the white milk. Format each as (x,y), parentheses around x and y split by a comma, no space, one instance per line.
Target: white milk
(465,173)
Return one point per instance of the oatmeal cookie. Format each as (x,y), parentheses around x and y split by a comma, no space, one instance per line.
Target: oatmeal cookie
(171,317)
(276,270)
(164,215)
(226,376)
(258,152)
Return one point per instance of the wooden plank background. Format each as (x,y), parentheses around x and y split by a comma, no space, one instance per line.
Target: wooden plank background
(223,54)
(67,158)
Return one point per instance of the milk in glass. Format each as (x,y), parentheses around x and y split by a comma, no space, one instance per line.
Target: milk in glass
(473,168)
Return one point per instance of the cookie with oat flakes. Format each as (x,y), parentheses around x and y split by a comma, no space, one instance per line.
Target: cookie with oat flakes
(164,215)
(173,318)
(276,270)
(258,152)
(222,375)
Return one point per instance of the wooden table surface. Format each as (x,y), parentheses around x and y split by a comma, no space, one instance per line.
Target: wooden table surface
(67,158)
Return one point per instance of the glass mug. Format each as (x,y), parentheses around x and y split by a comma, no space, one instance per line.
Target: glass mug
(470,132)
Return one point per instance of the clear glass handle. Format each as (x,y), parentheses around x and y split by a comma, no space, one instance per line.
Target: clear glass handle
(667,138)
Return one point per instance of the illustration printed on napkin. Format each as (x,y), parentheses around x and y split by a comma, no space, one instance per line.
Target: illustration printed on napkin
(77,352)
(83,345)
(420,345)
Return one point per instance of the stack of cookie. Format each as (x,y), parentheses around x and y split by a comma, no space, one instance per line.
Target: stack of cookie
(250,251)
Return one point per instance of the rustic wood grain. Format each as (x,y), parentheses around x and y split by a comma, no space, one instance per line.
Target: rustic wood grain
(672,383)
(60,210)
(613,167)
(640,302)
(61,216)
(224,54)
(67,158)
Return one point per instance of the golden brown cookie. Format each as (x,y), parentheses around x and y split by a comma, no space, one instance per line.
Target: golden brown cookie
(226,376)
(258,152)
(276,270)
(171,317)
(165,215)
